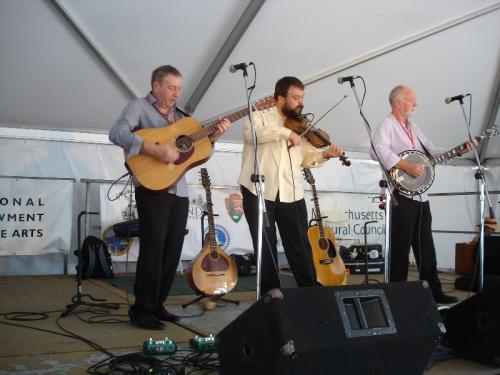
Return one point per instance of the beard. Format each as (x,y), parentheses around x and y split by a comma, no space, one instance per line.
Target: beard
(292,112)
(410,113)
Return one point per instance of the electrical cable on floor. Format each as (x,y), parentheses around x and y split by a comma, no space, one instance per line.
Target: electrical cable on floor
(136,363)
(24,316)
(204,362)
(131,363)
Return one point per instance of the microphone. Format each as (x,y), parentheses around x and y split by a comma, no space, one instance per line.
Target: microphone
(453,98)
(241,66)
(347,79)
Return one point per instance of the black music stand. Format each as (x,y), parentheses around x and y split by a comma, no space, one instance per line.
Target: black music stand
(77,299)
(213,298)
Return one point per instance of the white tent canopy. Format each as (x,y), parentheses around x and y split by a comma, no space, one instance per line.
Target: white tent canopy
(68,68)
(72,65)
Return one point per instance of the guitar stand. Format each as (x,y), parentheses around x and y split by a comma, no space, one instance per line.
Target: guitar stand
(213,298)
(77,299)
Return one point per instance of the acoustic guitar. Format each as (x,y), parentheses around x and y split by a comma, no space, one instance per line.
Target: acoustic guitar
(190,138)
(212,272)
(330,268)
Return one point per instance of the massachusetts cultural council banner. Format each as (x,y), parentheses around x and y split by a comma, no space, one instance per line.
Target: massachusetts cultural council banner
(35,216)
(352,216)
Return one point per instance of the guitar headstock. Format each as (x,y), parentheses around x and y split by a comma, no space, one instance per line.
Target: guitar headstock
(308,176)
(205,178)
(264,103)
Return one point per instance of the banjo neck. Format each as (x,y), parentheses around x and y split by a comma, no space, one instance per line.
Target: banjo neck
(456,151)
(417,185)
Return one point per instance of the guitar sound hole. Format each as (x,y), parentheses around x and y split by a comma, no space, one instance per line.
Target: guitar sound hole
(323,243)
(332,251)
(183,143)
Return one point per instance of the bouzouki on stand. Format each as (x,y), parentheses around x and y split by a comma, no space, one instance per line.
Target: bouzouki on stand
(192,141)
(212,273)
(330,268)
(409,185)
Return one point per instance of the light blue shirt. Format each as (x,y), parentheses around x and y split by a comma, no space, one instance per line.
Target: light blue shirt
(140,114)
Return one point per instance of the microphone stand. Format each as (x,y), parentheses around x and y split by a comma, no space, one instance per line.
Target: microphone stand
(483,192)
(385,183)
(258,180)
(77,299)
(366,250)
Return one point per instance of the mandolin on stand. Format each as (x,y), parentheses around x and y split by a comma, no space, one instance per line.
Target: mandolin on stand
(212,273)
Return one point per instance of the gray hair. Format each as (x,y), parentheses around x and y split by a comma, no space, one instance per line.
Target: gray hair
(396,93)
(162,71)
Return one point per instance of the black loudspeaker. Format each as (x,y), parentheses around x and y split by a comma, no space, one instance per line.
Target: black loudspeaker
(473,327)
(358,329)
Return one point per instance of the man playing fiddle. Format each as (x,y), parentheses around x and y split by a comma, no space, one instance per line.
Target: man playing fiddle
(282,153)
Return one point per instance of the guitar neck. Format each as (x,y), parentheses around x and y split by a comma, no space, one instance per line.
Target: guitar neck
(232,117)
(211,127)
(317,211)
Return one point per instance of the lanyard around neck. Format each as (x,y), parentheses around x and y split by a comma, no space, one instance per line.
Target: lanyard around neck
(408,133)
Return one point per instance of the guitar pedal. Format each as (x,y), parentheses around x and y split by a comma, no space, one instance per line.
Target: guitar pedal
(204,344)
(165,346)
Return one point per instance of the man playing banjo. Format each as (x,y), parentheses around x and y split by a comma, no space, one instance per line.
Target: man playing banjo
(411,218)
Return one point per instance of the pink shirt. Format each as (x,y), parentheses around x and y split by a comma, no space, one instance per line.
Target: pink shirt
(390,139)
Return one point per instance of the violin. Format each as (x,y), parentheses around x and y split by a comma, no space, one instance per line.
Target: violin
(317,137)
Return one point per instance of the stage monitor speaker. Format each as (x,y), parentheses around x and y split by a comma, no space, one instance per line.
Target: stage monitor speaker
(473,327)
(358,329)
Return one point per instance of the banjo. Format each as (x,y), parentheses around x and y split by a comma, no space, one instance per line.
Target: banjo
(409,185)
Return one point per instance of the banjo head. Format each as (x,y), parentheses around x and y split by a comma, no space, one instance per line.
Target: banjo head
(413,185)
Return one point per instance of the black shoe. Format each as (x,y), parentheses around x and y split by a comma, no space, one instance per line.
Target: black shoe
(445,298)
(146,321)
(163,314)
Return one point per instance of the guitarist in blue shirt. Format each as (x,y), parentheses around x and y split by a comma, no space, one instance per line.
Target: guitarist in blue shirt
(162,213)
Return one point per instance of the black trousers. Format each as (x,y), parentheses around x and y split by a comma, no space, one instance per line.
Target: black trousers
(291,219)
(162,226)
(411,225)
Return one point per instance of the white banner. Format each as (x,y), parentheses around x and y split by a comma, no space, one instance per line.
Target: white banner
(35,216)
(231,227)
(347,215)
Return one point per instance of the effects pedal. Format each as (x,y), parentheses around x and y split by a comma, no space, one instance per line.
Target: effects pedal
(204,344)
(165,346)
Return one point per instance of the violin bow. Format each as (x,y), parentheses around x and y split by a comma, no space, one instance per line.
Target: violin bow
(327,112)
(311,124)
